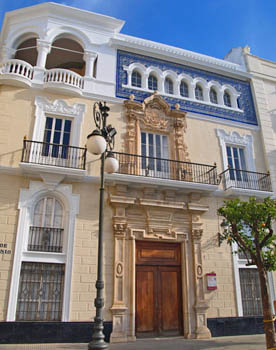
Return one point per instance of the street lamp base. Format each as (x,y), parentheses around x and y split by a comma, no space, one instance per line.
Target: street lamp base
(97,345)
(97,342)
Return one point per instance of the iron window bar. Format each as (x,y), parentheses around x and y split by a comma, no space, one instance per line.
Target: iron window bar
(40,292)
(44,153)
(45,239)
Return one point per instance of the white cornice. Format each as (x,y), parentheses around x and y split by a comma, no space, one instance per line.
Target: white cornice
(55,10)
(150,47)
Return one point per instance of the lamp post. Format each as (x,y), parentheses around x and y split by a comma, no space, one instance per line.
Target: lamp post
(101,141)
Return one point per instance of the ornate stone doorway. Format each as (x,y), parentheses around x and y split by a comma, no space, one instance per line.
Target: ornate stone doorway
(158,289)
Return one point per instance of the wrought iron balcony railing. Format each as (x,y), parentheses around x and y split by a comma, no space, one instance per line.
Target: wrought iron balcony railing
(235,178)
(132,164)
(45,239)
(44,153)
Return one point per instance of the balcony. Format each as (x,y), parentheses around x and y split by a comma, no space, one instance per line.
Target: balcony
(63,79)
(20,73)
(45,239)
(54,158)
(243,182)
(167,172)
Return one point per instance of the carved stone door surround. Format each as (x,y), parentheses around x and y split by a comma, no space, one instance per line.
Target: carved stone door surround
(167,220)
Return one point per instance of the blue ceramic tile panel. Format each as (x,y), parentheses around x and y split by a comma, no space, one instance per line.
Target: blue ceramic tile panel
(243,87)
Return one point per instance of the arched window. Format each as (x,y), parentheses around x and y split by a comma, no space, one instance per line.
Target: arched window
(227,99)
(136,79)
(46,233)
(213,96)
(152,82)
(168,86)
(199,93)
(41,284)
(184,90)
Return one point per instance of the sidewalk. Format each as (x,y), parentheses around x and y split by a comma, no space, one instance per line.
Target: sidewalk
(248,342)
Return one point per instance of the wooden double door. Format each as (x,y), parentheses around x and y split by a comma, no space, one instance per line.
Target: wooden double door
(158,290)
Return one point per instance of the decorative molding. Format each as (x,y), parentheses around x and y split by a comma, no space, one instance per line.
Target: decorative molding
(27,201)
(154,114)
(246,114)
(234,138)
(57,108)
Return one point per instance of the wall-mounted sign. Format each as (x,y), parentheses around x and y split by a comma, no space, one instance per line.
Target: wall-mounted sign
(211,280)
(4,248)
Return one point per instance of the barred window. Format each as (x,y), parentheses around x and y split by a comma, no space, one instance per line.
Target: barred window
(199,93)
(250,292)
(152,82)
(168,86)
(40,293)
(136,79)
(227,99)
(213,96)
(184,91)
(46,233)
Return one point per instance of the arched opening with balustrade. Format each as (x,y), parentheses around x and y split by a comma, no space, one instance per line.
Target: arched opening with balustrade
(26,51)
(66,54)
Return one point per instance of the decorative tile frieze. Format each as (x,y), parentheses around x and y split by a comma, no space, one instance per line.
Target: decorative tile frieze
(244,114)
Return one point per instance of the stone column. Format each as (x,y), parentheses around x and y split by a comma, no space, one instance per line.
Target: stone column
(43,48)
(89,58)
(201,305)
(118,309)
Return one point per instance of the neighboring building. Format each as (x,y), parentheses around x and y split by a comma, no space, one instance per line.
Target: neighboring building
(182,118)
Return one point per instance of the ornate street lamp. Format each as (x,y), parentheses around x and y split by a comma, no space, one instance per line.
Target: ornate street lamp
(101,141)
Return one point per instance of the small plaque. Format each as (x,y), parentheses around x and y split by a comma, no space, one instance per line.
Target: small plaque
(211,281)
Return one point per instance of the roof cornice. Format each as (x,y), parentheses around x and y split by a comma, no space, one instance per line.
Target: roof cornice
(55,10)
(170,52)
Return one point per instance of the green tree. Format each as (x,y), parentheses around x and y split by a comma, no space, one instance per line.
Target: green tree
(250,225)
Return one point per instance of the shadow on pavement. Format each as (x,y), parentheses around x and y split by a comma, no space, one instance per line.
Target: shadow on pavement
(231,343)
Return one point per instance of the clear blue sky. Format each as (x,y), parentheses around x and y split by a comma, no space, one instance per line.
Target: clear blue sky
(211,27)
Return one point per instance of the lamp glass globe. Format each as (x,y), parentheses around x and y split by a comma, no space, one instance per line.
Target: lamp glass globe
(96,144)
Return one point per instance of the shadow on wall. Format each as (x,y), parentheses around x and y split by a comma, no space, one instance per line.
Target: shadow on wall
(11,158)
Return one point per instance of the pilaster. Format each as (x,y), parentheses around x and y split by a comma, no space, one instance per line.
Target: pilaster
(201,305)
(119,307)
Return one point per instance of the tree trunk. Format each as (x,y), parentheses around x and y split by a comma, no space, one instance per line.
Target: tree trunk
(267,310)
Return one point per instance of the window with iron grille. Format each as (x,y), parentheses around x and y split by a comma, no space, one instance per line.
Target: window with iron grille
(199,93)
(184,90)
(168,86)
(152,82)
(46,233)
(136,79)
(227,99)
(213,96)
(40,292)
(250,292)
